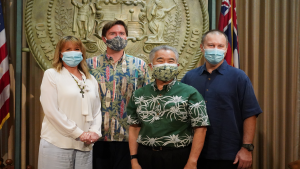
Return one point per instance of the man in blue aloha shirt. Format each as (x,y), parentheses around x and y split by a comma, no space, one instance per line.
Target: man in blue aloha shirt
(118,75)
(167,118)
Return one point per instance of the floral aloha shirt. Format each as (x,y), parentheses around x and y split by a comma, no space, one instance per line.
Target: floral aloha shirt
(117,81)
(167,116)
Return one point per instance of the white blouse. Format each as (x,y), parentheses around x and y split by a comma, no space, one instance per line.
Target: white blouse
(67,113)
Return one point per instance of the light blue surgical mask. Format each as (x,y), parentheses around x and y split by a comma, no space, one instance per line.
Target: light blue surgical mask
(214,56)
(72,58)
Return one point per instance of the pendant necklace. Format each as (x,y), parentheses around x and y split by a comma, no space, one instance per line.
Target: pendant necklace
(81,89)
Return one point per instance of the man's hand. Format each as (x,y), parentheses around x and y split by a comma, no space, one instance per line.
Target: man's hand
(135,164)
(197,145)
(191,165)
(244,157)
(133,145)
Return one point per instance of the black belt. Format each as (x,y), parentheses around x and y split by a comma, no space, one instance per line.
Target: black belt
(161,148)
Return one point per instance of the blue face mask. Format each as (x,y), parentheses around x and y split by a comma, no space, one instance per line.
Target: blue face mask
(214,56)
(72,58)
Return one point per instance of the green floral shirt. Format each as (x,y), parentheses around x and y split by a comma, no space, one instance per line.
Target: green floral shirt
(167,116)
(117,81)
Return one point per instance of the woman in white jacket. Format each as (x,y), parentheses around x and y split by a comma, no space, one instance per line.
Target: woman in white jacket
(71,103)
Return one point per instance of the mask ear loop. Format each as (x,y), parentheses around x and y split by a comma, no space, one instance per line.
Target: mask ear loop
(60,58)
(106,40)
(177,75)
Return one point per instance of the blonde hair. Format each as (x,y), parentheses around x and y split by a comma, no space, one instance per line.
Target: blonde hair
(57,61)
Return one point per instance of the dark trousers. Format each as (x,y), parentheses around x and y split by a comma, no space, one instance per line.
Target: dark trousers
(111,155)
(215,164)
(175,158)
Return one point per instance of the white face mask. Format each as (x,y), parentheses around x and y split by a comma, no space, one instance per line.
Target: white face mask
(165,64)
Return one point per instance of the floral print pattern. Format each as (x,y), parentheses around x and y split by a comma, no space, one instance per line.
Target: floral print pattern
(167,116)
(117,81)
(165,73)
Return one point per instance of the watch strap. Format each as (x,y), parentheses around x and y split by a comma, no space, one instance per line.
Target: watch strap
(249,147)
(133,156)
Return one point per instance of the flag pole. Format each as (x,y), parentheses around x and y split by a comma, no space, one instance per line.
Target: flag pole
(18,85)
(212,14)
(232,25)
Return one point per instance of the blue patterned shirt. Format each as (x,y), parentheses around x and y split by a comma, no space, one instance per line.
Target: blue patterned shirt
(117,81)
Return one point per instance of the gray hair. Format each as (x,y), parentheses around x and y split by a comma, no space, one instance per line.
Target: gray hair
(214,31)
(163,47)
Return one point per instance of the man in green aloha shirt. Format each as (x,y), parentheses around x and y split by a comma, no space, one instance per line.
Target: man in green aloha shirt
(167,118)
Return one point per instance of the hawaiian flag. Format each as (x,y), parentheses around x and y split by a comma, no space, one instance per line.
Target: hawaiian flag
(228,25)
(4,74)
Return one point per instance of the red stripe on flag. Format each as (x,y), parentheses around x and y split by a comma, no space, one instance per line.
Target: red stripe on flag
(4,81)
(3,52)
(4,112)
(228,25)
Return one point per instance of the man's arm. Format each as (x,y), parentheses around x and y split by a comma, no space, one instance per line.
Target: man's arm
(197,145)
(133,145)
(244,157)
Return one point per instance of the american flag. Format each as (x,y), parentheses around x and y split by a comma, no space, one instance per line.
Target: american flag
(228,24)
(4,74)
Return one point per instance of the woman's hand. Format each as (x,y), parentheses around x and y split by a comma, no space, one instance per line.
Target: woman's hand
(94,137)
(85,137)
(89,137)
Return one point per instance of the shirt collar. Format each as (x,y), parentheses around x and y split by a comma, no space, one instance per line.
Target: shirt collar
(109,59)
(165,87)
(221,69)
(82,74)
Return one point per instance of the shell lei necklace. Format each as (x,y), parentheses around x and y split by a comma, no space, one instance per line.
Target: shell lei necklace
(81,89)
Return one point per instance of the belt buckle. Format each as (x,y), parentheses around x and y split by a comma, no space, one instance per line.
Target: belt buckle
(156,148)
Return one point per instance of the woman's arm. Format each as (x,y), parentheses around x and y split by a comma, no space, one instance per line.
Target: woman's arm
(49,102)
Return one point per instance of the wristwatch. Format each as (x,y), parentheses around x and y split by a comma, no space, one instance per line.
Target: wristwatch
(133,156)
(249,147)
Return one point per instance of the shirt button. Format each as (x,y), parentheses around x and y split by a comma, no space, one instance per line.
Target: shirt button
(160,94)
(208,78)
(157,113)
(206,89)
(205,101)
(158,103)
